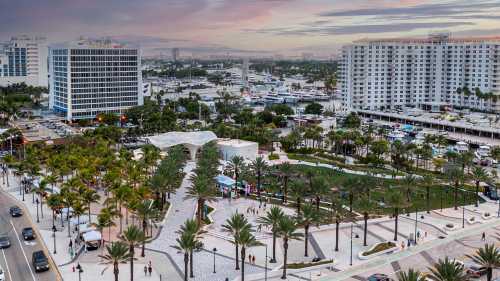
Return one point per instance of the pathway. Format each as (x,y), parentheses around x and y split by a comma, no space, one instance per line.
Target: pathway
(180,211)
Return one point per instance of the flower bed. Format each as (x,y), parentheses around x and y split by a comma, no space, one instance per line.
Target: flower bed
(486,216)
(378,249)
(450,227)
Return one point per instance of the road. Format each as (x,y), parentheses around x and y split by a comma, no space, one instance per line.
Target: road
(16,260)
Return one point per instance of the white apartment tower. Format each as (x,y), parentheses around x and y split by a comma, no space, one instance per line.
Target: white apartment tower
(430,72)
(92,77)
(23,59)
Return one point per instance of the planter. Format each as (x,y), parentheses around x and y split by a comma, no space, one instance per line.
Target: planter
(486,216)
(378,249)
(473,220)
(450,227)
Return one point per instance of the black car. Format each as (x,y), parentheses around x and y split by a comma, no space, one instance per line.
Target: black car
(28,233)
(15,211)
(4,242)
(40,261)
(378,277)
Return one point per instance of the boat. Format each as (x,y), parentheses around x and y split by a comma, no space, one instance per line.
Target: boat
(273,99)
(396,135)
(321,97)
(419,139)
(461,147)
(483,151)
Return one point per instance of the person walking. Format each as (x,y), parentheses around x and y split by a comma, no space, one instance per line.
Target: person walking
(150,269)
(253,259)
(145,271)
(483,236)
(249,258)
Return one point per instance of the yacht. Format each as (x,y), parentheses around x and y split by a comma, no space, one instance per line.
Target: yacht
(483,151)
(321,97)
(419,139)
(461,147)
(396,135)
(273,99)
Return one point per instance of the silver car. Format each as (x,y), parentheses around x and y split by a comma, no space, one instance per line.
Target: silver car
(4,242)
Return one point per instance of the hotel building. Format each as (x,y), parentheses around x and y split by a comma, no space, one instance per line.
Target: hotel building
(92,77)
(427,73)
(23,59)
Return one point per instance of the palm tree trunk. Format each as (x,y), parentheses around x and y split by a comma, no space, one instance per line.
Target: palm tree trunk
(456,196)
(116,271)
(298,205)
(489,274)
(428,197)
(285,254)
(186,260)
(243,255)
(306,240)
(366,228)
(131,250)
(337,223)
(396,211)
(477,194)
(191,272)
(274,247)
(144,226)
(90,219)
(237,253)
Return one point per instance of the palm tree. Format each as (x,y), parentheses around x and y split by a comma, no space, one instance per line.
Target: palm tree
(339,214)
(246,240)
(117,253)
(146,211)
(203,190)
(259,165)
(78,210)
(192,227)
(285,171)
(410,275)
(287,230)
(488,257)
(478,175)
(396,201)
(41,191)
(90,196)
(297,191)
(428,182)
(365,207)
(133,236)
(448,270)
(272,219)
(455,175)
(319,187)
(235,225)
(185,243)
(308,217)
(55,204)
(236,163)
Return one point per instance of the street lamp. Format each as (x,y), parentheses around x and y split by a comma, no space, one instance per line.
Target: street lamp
(214,250)
(265,266)
(463,211)
(80,271)
(351,243)
(416,221)
(37,216)
(54,229)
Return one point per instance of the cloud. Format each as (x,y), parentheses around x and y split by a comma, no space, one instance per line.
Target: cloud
(360,29)
(459,9)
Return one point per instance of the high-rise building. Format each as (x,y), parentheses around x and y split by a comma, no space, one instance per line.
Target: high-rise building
(175,54)
(92,77)
(23,59)
(427,73)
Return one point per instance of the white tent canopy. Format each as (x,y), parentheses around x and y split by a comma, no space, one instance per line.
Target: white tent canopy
(92,236)
(192,140)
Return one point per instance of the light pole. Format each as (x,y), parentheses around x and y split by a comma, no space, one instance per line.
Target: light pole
(37,216)
(463,211)
(265,266)
(351,243)
(54,229)
(80,271)
(214,250)
(416,221)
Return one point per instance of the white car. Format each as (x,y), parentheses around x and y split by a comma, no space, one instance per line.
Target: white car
(2,274)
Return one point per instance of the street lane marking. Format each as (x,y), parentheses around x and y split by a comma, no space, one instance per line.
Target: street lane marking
(22,249)
(7,265)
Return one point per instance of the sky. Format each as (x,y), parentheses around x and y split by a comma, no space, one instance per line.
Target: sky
(247,27)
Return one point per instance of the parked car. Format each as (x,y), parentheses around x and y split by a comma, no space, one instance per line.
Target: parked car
(378,277)
(15,211)
(490,192)
(28,233)
(2,274)
(4,242)
(40,261)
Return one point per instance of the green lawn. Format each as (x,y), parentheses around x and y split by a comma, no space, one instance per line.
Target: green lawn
(381,186)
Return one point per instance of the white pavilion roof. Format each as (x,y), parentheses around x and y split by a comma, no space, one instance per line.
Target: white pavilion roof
(170,139)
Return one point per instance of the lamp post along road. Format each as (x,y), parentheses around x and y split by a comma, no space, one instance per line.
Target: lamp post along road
(37,216)
(351,243)
(416,221)
(214,250)
(54,229)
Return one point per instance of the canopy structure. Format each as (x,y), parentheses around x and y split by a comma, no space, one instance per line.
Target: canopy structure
(191,140)
(92,236)
(224,181)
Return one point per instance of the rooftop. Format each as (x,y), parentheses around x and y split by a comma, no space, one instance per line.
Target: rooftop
(432,39)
